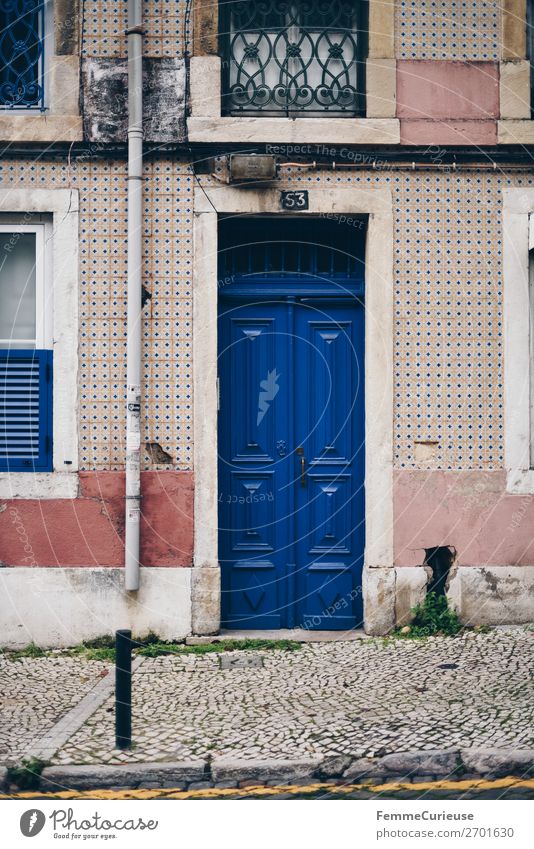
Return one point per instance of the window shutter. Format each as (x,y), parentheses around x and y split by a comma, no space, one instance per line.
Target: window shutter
(25,411)
(530,232)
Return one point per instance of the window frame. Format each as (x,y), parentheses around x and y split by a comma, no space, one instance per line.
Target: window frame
(43,282)
(59,208)
(518,329)
(206,124)
(360,37)
(47,40)
(42,344)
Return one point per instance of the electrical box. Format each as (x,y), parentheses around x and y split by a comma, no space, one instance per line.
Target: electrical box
(251,167)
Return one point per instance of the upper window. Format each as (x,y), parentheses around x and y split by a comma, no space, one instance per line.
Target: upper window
(283,247)
(291,57)
(25,355)
(22,25)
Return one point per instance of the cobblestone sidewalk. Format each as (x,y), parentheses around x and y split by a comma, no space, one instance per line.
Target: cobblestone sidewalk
(361,698)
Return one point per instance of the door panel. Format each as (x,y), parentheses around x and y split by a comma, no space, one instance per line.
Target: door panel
(253,476)
(330,431)
(291,466)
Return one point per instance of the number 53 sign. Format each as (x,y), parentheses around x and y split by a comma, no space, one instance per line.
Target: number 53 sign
(294,200)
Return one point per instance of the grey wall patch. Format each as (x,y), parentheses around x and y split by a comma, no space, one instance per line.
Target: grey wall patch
(105,100)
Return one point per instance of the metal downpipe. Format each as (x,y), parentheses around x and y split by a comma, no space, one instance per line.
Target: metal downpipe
(134,263)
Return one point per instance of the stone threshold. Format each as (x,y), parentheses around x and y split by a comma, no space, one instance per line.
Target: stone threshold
(228,772)
(300,635)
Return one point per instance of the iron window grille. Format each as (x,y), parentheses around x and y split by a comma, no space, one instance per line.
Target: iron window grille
(22,54)
(291,57)
(313,249)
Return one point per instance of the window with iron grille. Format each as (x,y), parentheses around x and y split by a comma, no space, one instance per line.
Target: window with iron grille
(22,25)
(291,57)
(283,247)
(25,351)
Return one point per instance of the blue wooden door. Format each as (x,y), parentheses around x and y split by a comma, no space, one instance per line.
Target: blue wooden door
(291,463)
(291,448)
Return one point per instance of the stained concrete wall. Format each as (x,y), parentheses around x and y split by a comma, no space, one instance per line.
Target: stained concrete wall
(63,607)
(469,510)
(105,94)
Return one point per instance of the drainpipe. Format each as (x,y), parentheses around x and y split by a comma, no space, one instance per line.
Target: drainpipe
(133,345)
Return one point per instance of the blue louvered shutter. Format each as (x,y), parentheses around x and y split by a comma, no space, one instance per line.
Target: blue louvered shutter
(25,411)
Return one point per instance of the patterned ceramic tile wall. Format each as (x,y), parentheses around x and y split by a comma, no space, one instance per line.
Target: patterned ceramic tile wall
(166,22)
(448,334)
(167,386)
(425,29)
(448,331)
(448,29)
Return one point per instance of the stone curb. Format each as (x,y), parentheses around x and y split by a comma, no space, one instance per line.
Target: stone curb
(130,776)
(260,771)
(231,772)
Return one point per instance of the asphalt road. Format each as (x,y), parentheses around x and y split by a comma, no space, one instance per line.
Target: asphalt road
(510,787)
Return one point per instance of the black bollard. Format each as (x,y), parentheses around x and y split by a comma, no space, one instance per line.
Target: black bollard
(123,689)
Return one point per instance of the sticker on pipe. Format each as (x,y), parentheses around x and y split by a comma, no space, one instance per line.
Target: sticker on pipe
(133,440)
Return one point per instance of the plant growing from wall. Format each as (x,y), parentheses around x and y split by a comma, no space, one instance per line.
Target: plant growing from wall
(432,617)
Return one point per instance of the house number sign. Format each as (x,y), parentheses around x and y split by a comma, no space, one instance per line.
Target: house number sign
(294,200)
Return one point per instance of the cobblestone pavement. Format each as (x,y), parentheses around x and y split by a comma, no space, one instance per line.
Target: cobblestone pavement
(357,698)
(35,694)
(365,697)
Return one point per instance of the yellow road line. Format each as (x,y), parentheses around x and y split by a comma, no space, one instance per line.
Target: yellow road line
(261,790)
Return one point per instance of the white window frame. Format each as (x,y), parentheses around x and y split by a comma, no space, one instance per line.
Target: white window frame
(518,326)
(43,283)
(59,208)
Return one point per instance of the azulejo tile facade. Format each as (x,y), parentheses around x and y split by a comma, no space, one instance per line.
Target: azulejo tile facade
(460,31)
(445,356)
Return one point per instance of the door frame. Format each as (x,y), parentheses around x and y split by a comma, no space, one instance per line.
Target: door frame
(376,203)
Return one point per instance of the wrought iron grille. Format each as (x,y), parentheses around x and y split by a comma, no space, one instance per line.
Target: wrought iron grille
(21,53)
(285,247)
(294,56)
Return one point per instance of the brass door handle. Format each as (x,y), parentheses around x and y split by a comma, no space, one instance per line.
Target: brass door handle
(300,453)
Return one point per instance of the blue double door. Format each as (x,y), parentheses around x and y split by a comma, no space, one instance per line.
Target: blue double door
(291,459)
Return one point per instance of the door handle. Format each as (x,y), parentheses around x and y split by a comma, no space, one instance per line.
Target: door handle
(300,453)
